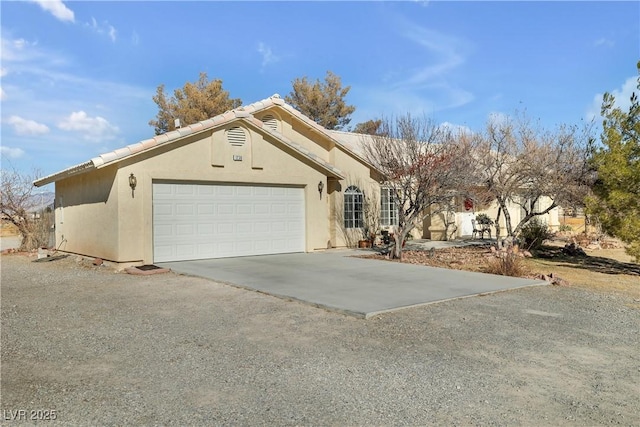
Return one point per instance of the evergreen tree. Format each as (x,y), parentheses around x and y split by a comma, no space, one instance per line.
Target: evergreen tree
(370,127)
(322,102)
(194,102)
(616,198)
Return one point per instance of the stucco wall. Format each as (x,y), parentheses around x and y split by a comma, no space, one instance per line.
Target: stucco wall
(434,225)
(357,174)
(86,208)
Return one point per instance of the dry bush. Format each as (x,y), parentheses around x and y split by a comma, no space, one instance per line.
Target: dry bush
(507,263)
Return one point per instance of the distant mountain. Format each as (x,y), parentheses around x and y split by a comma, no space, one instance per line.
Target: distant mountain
(41,201)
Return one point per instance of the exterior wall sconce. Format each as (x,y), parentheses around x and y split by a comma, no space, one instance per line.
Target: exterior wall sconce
(320,188)
(133,182)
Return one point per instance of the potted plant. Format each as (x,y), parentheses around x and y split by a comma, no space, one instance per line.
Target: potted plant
(484,224)
(368,237)
(483,219)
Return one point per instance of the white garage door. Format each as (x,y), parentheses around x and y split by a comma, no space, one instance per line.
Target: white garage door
(197,221)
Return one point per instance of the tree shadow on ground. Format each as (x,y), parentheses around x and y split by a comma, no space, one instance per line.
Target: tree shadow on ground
(587,262)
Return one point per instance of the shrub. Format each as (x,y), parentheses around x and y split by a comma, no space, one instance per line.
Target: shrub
(506,264)
(483,218)
(565,228)
(534,233)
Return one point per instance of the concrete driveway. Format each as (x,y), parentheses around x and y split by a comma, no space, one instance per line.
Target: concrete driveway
(10,242)
(337,281)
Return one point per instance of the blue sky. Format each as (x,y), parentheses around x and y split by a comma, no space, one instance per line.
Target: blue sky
(77,77)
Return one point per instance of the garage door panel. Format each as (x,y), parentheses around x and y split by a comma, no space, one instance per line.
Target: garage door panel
(163,230)
(185,250)
(185,209)
(205,229)
(206,209)
(262,208)
(244,209)
(205,190)
(278,192)
(194,221)
(262,192)
(225,209)
(244,191)
(244,229)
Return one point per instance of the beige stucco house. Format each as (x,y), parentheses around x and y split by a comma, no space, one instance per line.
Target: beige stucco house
(260,179)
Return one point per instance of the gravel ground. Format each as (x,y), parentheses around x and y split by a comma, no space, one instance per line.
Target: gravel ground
(104,348)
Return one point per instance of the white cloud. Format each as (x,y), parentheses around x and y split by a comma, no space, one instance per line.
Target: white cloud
(426,88)
(103,28)
(91,128)
(622,95)
(3,95)
(498,118)
(27,127)
(14,49)
(12,153)
(57,8)
(456,129)
(267,55)
(445,51)
(112,33)
(603,42)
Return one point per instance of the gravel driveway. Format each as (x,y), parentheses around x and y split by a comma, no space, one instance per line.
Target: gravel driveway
(104,348)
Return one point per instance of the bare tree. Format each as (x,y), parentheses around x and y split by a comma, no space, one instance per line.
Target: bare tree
(423,165)
(17,206)
(521,164)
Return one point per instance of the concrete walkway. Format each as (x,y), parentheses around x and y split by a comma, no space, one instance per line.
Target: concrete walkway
(337,281)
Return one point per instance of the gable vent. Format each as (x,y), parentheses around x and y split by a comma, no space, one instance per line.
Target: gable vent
(270,122)
(236,136)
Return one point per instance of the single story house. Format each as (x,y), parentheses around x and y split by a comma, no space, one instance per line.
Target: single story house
(259,179)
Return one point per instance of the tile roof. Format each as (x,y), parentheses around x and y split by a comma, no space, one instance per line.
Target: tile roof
(352,141)
(244,113)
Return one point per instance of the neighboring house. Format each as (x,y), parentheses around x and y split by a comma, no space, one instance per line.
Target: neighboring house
(260,179)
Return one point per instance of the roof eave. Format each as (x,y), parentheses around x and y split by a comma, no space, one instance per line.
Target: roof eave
(66,173)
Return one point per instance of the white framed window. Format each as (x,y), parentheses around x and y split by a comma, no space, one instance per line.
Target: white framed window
(353,212)
(388,208)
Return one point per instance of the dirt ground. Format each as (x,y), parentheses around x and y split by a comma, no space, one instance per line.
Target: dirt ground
(90,346)
(606,270)
(8,230)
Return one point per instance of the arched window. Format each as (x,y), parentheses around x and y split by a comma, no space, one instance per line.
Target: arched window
(353,207)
